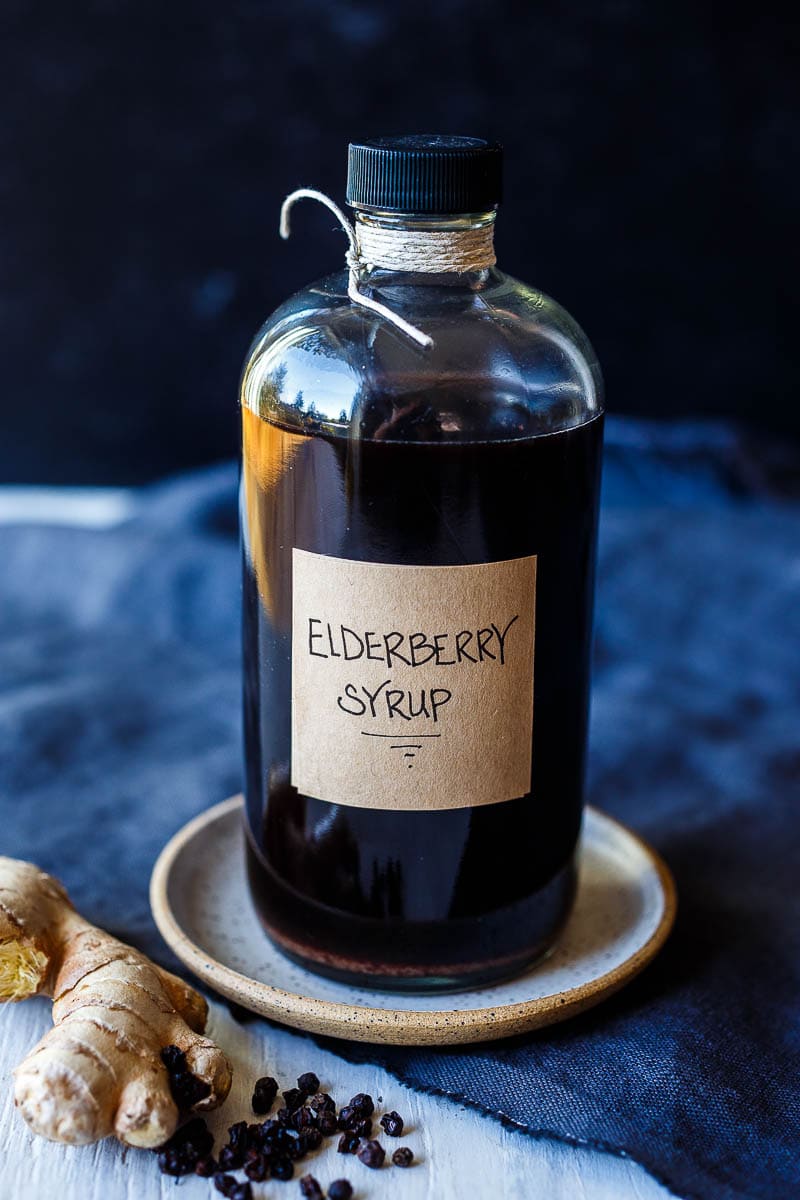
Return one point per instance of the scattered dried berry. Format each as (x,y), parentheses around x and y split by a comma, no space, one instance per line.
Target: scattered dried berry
(310,1139)
(257,1168)
(294,1097)
(303,1118)
(392,1124)
(237,1137)
(282,1168)
(289,1147)
(269,1130)
(281,1141)
(295,1148)
(174,1162)
(180,1155)
(327,1123)
(349,1116)
(230,1159)
(255,1134)
(348,1143)
(206,1167)
(271,1148)
(173,1058)
(187,1090)
(201,1144)
(372,1155)
(321,1102)
(264,1092)
(224,1184)
(363,1103)
(310,1187)
(194,1137)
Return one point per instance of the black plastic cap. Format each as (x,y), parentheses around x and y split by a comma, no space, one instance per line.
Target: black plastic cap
(425,173)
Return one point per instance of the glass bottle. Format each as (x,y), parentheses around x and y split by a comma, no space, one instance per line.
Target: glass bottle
(419,531)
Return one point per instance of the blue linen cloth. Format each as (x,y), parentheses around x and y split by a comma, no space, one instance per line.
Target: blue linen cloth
(119,719)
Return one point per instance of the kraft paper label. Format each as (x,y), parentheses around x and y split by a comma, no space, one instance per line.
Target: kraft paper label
(412,687)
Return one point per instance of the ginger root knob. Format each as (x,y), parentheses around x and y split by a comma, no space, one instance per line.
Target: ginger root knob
(98,1071)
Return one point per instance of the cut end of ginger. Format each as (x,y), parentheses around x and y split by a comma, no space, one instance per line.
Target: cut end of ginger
(23,970)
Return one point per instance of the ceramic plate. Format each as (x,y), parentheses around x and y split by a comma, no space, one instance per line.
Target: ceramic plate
(623,913)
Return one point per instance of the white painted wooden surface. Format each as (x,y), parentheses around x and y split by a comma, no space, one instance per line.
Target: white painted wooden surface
(461,1155)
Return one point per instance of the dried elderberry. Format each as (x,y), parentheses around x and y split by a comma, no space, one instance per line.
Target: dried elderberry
(237,1137)
(349,1116)
(255,1135)
(372,1155)
(295,1148)
(264,1092)
(321,1102)
(392,1123)
(281,1141)
(340,1189)
(327,1123)
(282,1168)
(206,1167)
(174,1161)
(308,1083)
(173,1058)
(270,1130)
(230,1159)
(348,1143)
(194,1137)
(363,1103)
(257,1168)
(187,1090)
(224,1184)
(310,1139)
(294,1097)
(403,1157)
(303,1118)
(310,1188)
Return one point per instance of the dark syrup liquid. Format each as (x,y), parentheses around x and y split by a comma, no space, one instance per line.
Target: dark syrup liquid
(436,898)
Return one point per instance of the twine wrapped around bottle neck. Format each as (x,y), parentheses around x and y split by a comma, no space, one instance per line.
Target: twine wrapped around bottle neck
(431,251)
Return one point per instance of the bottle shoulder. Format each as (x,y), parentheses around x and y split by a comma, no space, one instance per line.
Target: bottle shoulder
(507,362)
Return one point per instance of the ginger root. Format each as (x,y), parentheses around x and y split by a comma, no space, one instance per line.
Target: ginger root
(98,1071)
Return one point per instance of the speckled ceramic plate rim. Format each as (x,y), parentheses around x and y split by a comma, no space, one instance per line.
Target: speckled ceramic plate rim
(394,1026)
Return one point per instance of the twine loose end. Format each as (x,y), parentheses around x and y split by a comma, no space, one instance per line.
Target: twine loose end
(354,262)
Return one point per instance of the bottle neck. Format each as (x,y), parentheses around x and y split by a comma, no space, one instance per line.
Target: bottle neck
(434,245)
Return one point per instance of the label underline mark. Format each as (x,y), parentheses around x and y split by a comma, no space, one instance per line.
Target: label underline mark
(366,733)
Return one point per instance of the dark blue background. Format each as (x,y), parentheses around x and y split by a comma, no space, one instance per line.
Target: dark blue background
(146,147)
